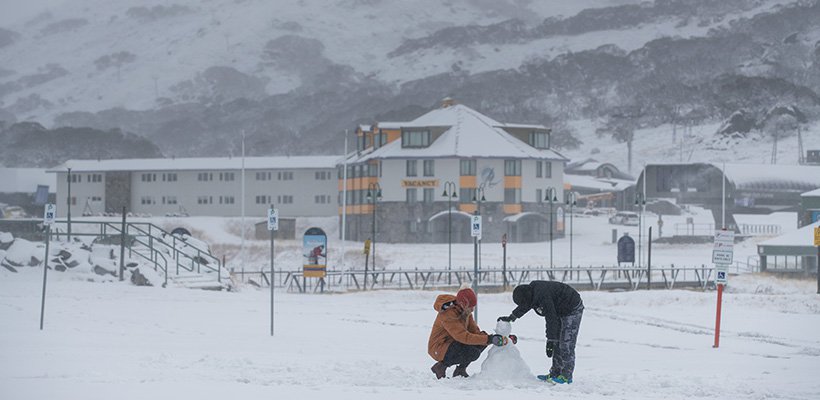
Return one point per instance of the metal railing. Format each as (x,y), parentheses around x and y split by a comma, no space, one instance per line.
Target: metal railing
(586,278)
(156,241)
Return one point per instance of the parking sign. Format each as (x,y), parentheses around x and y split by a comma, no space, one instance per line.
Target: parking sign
(50,214)
(475,226)
(273,219)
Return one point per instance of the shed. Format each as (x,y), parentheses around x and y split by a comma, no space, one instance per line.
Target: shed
(791,252)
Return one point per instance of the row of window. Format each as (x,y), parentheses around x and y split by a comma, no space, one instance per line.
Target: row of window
(209,176)
(428,168)
(90,178)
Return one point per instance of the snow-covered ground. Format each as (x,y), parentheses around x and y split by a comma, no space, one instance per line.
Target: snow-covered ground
(113,340)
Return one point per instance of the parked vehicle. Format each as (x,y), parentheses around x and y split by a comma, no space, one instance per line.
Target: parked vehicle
(624,218)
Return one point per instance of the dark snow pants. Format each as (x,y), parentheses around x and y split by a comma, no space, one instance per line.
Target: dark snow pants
(462,354)
(563,358)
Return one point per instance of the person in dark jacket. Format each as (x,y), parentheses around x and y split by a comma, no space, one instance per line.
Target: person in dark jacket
(562,308)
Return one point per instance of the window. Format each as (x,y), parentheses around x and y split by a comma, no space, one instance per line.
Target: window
(263,199)
(322,175)
(226,199)
(263,176)
(465,195)
(285,175)
(429,195)
(204,200)
(412,195)
(512,167)
(169,177)
(379,139)
(96,199)
(169,200)
(429,168)
(413,226)
(373,170)
(73,200)
(147,200)
(468,167)
(76,178)
(205,176)
(94,178)
(321,199)
(411,168)
(149,177)
(512,196)
(226,176)
(419,138)
(538,196)
(540,140)
(538,171)
(547,169)
(284,199)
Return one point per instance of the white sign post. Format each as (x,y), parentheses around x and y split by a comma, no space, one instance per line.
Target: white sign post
(475,226)
(273,226)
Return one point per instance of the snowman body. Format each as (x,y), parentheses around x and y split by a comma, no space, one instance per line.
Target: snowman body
(505,362)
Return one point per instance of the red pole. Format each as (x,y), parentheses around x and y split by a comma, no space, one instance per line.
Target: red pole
(717,317)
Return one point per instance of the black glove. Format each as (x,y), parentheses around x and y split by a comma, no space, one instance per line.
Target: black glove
(497,340)
(550,348)
(509,318)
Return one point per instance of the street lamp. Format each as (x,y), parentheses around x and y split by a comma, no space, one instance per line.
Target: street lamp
(552,197)
(571,201)
(374,194)
(68,205)
(450,196)
(640,201)
(478,197)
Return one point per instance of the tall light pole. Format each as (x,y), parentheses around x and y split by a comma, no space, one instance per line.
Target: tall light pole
(344,203)
(242,202)
(478,197)
(450,196)
(640,201)
(374,194)
(552,197)
(571,203)
(68,204)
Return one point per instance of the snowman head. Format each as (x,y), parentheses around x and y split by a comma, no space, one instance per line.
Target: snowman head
(503,328)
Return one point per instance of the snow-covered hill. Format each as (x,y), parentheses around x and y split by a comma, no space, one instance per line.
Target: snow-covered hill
(285,69)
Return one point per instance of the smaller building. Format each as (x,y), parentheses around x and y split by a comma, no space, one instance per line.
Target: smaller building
(809,208)
(598,184)
(25,190)
(791,252)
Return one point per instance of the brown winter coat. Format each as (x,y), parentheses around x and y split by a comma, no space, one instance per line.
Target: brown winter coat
(450,326)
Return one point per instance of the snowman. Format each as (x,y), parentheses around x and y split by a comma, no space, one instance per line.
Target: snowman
(504,363)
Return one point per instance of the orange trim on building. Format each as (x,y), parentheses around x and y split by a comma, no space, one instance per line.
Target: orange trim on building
(512,182)
(512,208)
(468,207)
(467,182)
(392,134)
(567,186)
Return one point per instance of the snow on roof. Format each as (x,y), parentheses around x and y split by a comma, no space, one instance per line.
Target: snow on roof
(365,128)
(391,125)
(602,184)
(454,212)
(813,193)
(470,134)
(765,176)
(25,180)
(210,163)
(800,237)
(761,176)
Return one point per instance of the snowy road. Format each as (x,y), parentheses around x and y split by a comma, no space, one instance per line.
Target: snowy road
(110,340)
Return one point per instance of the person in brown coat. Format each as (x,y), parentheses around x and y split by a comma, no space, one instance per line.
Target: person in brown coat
(456,338)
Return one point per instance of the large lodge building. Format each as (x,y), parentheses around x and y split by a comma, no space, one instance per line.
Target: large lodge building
(508,167)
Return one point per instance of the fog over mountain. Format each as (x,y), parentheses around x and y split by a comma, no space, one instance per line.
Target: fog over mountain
(688,79)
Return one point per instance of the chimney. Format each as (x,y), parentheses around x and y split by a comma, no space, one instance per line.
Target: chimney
(447,102)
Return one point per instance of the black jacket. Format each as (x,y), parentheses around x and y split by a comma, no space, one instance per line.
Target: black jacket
(551,300)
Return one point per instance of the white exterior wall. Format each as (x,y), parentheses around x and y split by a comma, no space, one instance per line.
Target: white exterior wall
(82,190)
(304,187)
(530,183)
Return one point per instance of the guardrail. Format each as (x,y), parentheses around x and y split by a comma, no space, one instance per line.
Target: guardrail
(586,278)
